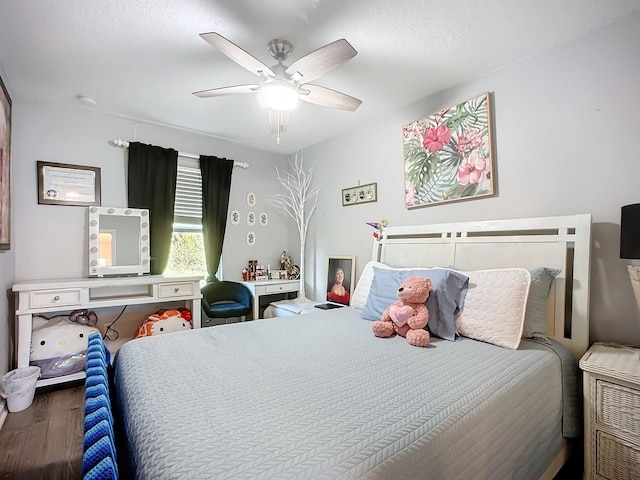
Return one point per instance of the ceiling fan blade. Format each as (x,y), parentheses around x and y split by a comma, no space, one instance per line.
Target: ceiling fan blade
(328,98)
(235,90)
(278,118)
(238,55)
(321,61)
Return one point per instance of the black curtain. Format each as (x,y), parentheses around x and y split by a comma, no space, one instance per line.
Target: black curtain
(216,186)
(151,184)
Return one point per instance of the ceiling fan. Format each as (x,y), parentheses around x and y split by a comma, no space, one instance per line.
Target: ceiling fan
(282,86)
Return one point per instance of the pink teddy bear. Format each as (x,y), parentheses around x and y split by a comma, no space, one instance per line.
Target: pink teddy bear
(409,315)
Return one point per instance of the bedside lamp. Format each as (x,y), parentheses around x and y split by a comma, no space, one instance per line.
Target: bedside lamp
(630,243)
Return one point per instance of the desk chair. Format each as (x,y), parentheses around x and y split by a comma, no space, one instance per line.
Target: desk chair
(224,299)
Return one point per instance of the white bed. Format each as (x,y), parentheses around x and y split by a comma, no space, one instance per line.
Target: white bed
(318,396)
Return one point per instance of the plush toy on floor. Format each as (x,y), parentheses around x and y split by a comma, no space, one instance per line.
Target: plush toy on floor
(59,345)
(408,316)
(165,321)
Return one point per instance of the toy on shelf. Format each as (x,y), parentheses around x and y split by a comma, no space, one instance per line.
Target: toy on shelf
(59,344)
(379,226)
(286,264)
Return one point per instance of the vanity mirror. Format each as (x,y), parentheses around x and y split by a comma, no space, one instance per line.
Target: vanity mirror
(118,241)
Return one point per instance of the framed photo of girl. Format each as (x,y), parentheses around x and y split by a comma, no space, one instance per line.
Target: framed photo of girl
(340,279)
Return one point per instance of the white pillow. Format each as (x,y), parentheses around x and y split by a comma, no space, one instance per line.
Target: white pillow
(495,306)
(361,292)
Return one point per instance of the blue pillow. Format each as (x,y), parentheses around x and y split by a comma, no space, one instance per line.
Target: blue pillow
(535,319)
(445,302)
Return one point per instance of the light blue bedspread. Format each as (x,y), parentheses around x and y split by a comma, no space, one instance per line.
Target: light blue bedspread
(318,396)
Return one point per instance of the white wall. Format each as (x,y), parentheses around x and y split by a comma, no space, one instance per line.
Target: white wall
(51,239)
(566,128)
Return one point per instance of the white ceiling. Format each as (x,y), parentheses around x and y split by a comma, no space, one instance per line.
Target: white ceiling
(142,59)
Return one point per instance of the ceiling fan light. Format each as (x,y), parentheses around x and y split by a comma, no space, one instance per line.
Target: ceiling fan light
(278,95)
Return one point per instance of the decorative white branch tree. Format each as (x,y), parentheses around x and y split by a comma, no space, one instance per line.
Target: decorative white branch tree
(299,201)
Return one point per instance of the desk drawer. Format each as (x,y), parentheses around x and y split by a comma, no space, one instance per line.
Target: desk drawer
(291,287)
(51,298)
(175,289)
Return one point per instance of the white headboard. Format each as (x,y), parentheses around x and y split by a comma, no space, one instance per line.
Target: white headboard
(559,242)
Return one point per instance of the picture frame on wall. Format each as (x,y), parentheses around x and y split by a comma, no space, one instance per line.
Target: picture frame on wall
(360,194)
(341,271)
(5,168)
(64,184)
(448,155)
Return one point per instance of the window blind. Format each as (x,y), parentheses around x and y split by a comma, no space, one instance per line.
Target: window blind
(188,202)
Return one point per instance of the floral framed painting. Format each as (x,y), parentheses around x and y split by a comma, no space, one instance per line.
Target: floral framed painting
(448,155)
(5,168)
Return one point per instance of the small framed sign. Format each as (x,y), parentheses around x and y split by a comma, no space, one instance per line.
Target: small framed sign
(360,194)
(62,184)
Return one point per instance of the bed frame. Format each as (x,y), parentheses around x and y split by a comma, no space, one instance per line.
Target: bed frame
(562,242)
(558,242)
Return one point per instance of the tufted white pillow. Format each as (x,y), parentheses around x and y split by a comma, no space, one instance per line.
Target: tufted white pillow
(361,292)
(495,306)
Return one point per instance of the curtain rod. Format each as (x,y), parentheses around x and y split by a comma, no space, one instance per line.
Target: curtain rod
(124,144)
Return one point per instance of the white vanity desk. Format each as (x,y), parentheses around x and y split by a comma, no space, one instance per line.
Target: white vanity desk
(47,296)
(259,288)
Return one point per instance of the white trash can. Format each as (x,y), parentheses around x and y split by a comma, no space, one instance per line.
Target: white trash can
(19,387)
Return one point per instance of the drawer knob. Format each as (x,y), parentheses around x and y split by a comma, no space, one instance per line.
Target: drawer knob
(56,298)
(176,289)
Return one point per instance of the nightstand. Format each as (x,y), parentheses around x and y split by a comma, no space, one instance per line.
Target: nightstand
(612,412)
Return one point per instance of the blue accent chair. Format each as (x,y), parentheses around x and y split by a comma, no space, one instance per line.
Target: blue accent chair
(225,299)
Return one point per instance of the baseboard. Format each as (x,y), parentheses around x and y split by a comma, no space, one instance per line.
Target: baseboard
(3,413)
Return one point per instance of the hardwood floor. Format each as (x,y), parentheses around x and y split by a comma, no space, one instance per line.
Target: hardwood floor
(45,440)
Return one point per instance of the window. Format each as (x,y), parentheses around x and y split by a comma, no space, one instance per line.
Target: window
(187,244)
